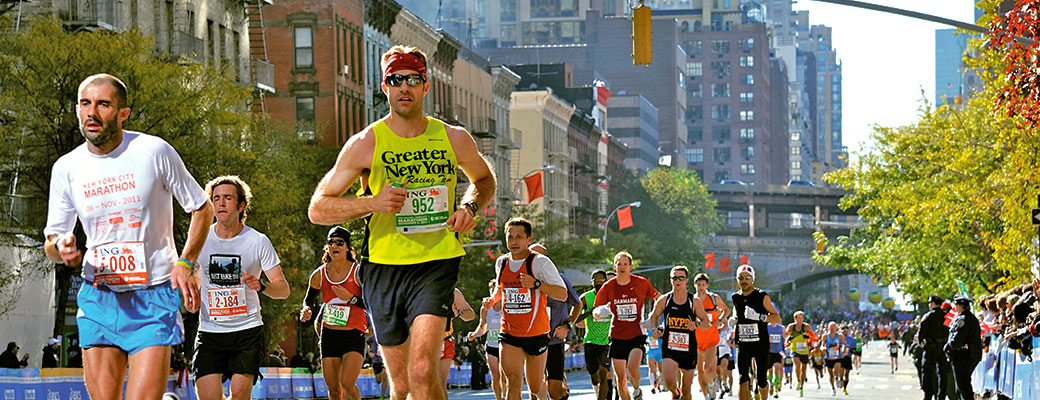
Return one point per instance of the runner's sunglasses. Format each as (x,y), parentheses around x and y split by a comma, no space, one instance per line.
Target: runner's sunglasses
(413,80)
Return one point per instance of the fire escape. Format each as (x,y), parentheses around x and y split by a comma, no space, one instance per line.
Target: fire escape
(261,71)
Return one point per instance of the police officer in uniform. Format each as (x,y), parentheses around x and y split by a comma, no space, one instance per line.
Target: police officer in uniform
(964,346)
(933,336)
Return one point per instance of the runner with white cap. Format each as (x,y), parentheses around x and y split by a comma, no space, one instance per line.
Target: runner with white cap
(754,310)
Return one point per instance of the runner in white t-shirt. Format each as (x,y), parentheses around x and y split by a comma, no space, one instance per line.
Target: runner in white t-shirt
(230,343)
(119,186)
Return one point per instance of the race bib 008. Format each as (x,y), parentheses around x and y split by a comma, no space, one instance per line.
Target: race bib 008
(120,265)
(425,209)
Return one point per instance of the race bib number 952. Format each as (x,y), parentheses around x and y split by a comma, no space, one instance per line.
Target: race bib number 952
(425,209)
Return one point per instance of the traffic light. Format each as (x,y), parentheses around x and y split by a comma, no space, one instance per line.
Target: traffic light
(642,49)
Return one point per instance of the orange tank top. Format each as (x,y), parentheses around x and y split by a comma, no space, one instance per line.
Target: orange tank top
(524,312)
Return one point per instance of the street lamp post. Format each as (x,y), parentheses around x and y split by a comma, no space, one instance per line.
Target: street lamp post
(516,186)
(607,224)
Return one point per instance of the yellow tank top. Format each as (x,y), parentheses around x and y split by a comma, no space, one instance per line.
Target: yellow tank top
(426,166)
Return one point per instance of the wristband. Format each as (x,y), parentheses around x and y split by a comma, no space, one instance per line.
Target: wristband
(56,248)
(186,264)
(353,300)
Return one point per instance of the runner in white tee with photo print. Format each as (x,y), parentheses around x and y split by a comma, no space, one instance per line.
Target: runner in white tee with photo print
(230,343)
(120,185)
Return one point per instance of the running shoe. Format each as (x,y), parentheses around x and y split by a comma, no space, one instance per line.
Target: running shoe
(833,393)
(637,395)
(801,392)
(846,391)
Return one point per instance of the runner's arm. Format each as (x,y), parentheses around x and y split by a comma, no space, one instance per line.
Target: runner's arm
(328,207)
(461,307)
(702,316)
(481,326)
(774,316)
(659,305)
(181,277)
(586,312)
(478,170)
(279,287)
(726,311)
(576,313)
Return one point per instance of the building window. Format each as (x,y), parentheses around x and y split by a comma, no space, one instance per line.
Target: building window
(720,90)
(720,68)
(694,134)
(748,79)
(747,61)
(747,97)
(695,155)
(747,133)
(796,136)
(796,150)
(720,46)
(720,155)
(693,47)
(746,44)
(747,169)
(747,152)
(747,115)
(304,46)
(694,69)
(695,90)
(720,112)
(694,113)
(721,176)
(305,118)
(720,133)
(797,165)
(682,80)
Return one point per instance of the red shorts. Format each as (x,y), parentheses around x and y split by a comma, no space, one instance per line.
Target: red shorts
(707,338)
(448,349)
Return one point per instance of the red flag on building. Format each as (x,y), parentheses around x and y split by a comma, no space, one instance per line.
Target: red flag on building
(724,264)
(534,186)
(743,259)
(709,262)
(624,217)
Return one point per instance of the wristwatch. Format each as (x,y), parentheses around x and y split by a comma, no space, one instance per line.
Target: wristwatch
(473,207)
(537,284)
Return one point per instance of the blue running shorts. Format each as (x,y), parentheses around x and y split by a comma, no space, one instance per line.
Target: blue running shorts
(130,320)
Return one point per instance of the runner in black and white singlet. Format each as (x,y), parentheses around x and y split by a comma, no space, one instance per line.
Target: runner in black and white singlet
(754,310)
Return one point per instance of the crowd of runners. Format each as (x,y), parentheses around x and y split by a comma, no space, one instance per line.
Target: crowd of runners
(394,297)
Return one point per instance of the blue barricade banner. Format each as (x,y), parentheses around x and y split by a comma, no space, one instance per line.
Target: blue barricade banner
(302,383)
(1023,386)
(1007,374)
(320,390)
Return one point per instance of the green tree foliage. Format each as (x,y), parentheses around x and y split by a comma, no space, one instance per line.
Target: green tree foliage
(946,198)
(676,214)
(200,110)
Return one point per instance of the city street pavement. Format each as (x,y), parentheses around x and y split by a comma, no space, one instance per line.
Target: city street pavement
(873,382)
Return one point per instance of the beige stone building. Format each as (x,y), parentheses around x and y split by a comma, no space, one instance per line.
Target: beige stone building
(543,119)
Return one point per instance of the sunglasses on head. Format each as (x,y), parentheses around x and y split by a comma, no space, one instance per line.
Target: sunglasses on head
(336,242)
(678,278)
(413,80)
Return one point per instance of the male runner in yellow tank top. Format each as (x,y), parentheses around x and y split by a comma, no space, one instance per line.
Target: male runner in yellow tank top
(407,163)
